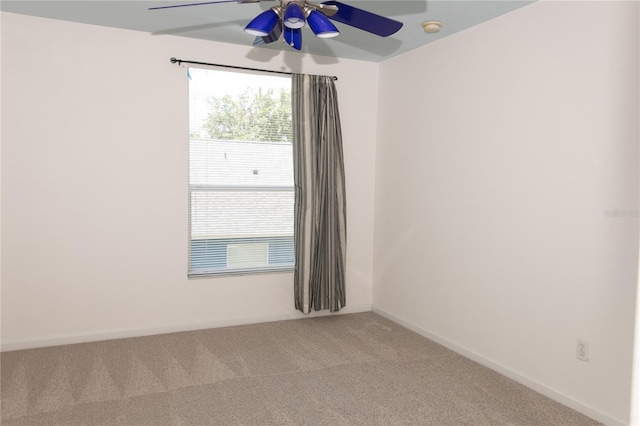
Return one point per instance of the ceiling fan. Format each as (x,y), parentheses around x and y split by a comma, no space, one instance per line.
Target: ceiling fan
(290,16)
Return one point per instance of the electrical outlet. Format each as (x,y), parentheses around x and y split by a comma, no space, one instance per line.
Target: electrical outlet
(582,350)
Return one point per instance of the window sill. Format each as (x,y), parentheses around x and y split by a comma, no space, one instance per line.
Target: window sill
(229,273)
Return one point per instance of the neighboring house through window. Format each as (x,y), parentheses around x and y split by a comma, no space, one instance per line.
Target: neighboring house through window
(241,192)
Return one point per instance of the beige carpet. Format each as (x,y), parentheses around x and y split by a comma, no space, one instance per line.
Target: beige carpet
(357,369)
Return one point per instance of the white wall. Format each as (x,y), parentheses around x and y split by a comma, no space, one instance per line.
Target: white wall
(635,390)
(94,185)
(0,184)
(500,150)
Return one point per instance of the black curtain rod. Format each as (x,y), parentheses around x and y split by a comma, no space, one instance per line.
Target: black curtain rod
(180,61)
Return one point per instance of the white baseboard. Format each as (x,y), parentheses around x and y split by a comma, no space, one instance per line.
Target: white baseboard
(505,371)
(19,344)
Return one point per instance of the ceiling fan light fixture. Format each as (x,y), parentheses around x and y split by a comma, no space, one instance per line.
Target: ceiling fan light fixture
(287,19)
(294,16)
(320,25)
(262,24)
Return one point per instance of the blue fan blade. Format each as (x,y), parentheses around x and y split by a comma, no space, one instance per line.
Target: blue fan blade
(193,4)
(293,37)
(271,37)
(364,20)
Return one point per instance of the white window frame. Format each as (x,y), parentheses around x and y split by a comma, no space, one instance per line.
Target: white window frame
(231,242)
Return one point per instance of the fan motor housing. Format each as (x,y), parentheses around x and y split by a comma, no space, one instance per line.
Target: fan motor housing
(285,3)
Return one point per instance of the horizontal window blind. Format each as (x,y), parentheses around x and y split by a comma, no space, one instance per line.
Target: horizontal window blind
(241,192)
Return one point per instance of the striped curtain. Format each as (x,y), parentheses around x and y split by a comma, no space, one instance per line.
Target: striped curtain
(320,207)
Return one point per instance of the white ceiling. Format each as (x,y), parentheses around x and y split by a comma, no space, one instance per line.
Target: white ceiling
(224,22)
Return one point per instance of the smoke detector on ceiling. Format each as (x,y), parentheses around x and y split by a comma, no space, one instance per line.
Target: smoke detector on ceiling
(431,26)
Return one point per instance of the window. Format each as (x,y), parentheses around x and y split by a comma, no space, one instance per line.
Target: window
(241,192)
